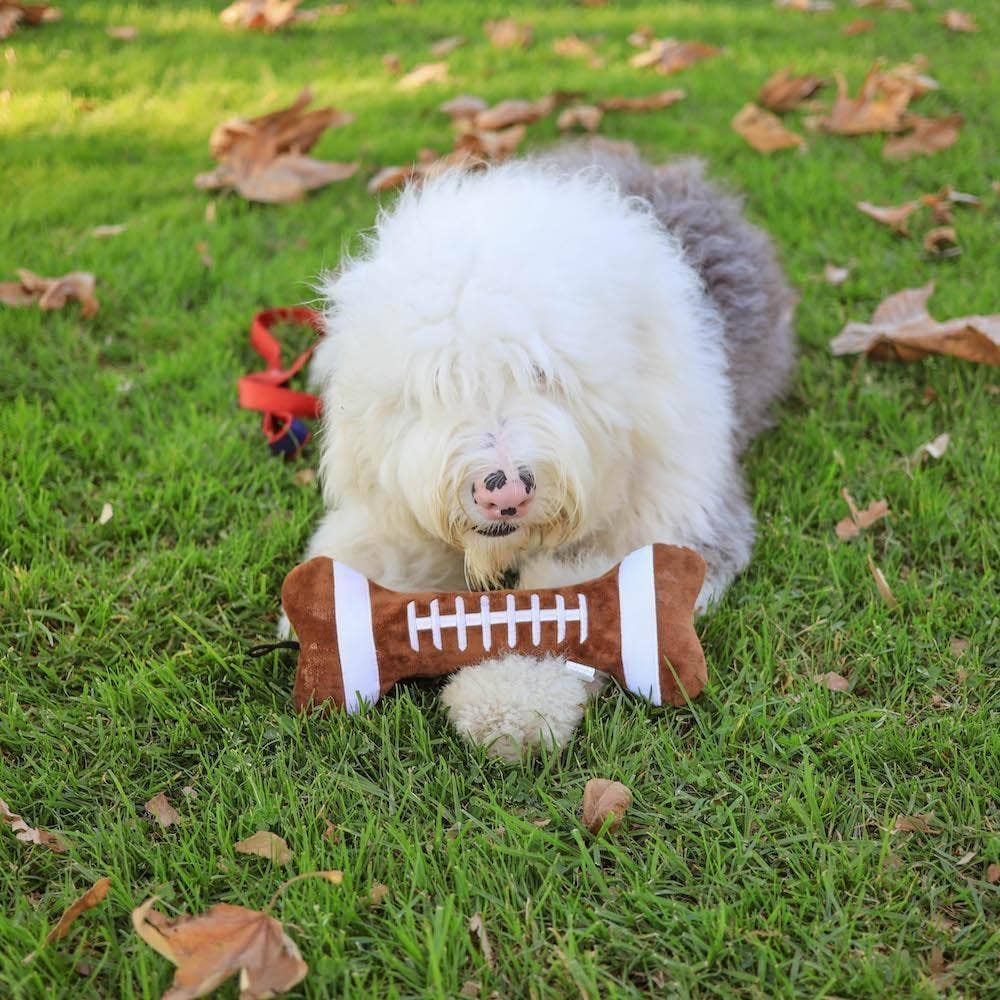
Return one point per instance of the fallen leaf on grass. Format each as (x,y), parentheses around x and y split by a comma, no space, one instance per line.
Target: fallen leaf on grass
(880,105)
(857,27)
(903,330)
(107,512)
(28,834)
(390,177)
(929,135)
(478,928)
(937,969)
(933,449)
(958,646)
(852,525)
(893,216)
(942,241)
(903,5)
(573,47)
(91,898)
(940,202)
(470,988)
(304,477)
(785,92)
(513,112)
(764,130)
(262,158)
(958,20)
(881,585)
(420,76)
(604,800)
(465,106)
(668,55)
(833,681)
(993,874)
(444,46)
(265,845)
(651,102)
(586,116)
(378,893)
(263,15)
(162,811)
(920,823)
(13,14)
(805,6)
(123,33)
(508,33)
(836,275)
(51,293)
(489,144)
(220,943)
(102,232)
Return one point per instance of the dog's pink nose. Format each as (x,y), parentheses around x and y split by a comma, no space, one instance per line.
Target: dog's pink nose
(500,495)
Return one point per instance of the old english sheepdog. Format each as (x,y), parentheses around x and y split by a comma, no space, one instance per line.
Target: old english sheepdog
(534,370)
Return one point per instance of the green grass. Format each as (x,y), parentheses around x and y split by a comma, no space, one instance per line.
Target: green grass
(758,859)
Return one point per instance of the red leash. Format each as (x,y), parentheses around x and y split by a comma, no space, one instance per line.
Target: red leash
(284,409)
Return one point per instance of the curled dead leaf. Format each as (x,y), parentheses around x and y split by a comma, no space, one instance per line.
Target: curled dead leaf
(764,130)
(785,92)
(508,33)
(265,844)
(852,525)
(941,240)
(12,14)
(893,216)
(929,136)
(586,116)
(51,293)
(881,585)
(29,834)
(958,20)
(669,55)
(226,940)
(833,681)
(477,928)
(162,811)
(933,449)
(920,823)
(465,106)
(604,801)
(902,329)
(881,102)
(91,898)
(513,112)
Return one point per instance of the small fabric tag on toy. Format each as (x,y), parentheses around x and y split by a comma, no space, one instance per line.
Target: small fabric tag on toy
(581,670)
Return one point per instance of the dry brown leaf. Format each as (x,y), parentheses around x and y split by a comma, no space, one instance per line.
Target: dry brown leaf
(836,275)
(937,969)
(378,893)
(879,107)
(940,240)
(263,15)
(28,834)
(420,76)
(806,6)
(444,46)
(958,20)
(893,216)
(573,47)
(262,158)
(513,112)
(764,130)
(586,116)
(929,135)
(833,681)
(785,92)
(508,33)
(651,102)
(478,928)
(642,37)
(920,823)
(107,512)
(226,940)
(162,811)
(489,144)
(470,988)
(51,293)
(881,585)
(857,27)
(911,76)
(13,14)
(390,177)
(902,329)
(852,525)
(91,898)
(265,845)
(940,202)
(958,646)
(465,107)
(993,874)
(305,477)
(123,32)
(668,55)
(604,800)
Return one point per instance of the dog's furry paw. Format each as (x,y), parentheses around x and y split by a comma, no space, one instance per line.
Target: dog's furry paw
(517,703)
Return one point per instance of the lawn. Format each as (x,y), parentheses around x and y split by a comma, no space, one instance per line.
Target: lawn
(759,858)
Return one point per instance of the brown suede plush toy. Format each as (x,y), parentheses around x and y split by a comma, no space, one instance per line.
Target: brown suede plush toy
(635,622)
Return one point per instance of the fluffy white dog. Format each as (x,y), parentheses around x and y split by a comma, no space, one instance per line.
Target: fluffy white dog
(535,370)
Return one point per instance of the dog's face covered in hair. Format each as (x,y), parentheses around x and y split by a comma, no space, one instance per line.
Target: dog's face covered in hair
(494,376)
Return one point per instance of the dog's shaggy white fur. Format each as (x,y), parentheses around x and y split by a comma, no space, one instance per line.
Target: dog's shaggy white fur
(558,315)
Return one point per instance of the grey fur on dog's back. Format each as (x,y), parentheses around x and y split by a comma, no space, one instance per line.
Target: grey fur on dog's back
(736,260)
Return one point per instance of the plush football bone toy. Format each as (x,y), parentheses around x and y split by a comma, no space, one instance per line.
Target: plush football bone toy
(357,639)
